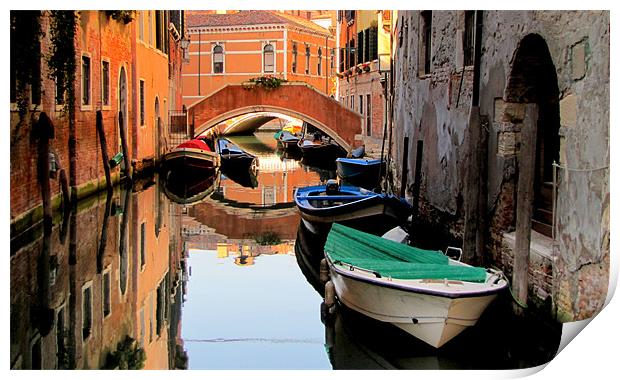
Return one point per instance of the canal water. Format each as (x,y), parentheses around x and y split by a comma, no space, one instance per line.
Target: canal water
(221,276)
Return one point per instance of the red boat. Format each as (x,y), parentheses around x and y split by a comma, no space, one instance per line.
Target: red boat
(192,155)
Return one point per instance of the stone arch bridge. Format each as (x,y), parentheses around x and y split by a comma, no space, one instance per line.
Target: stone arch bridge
(296,99)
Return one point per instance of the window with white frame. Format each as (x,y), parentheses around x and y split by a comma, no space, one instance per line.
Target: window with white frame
(218,59)
(87,311)
(86,80)
(142,107)
(269,65)
(307,59)
(294,63)
(320,57)
(105,83)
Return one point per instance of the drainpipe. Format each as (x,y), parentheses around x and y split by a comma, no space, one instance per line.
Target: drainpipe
(326,68)
(285,52)
(199,47)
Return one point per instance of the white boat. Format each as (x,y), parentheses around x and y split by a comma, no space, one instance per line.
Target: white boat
(411,295)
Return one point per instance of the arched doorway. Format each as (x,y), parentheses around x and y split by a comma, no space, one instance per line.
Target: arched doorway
(533,79)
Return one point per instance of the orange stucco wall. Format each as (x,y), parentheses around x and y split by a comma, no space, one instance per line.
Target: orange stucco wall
(243,60)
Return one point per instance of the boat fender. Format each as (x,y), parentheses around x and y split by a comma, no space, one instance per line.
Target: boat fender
(330,293)
(324,271)
(331,187)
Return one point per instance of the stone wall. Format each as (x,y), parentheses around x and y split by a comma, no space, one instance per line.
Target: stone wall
(573,268)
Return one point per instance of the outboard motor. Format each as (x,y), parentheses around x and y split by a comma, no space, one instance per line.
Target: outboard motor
(332,187)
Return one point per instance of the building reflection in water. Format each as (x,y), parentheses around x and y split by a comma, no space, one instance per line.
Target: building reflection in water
(117,274)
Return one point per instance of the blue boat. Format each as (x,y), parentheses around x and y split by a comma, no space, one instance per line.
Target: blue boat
(288,140)
(332,203)
(360,171)
(234,158)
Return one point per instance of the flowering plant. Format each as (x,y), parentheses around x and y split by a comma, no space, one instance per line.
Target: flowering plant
(268,81)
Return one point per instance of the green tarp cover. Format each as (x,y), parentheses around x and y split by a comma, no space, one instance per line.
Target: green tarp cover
(392,259)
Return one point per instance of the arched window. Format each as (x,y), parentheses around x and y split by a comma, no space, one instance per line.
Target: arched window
(294,64)
(318,66)
(218,59)
(307,59)
(268,59)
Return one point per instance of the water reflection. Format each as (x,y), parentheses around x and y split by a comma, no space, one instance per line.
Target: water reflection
(117,279)
(247,294)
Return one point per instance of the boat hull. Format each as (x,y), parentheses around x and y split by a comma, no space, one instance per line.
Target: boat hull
(188,160)
(320,153)
(434,313)
(363,175)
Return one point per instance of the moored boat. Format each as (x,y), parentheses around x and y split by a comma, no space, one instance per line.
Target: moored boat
(192,155)
(288,140)
(232,157)
(332,203)
(425,293)
(360,171)
(319,149)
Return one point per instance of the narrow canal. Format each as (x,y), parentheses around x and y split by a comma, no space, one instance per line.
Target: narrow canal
(222,276)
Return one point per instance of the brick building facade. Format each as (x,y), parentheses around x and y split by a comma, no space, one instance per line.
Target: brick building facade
(235,47)
(360,82)
(112,56)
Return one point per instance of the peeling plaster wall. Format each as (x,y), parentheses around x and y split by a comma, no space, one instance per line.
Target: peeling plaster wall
(425,108)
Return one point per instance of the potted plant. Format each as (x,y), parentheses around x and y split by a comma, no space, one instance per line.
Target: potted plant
(366,67)
(358,69)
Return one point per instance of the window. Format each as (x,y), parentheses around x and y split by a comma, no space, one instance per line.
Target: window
(268,59)
(149,22)
(307,59)
(141,25)
(85,80)
(218,59)
(351,48)
(59,93)
(426,31)
(158,32)
(142,244)
(368,116)
(294,63)
(332,57)
(366,45)
(107,306)
(468,39)
(318,66)
(373,43)
(87,312)
(352,105)
(105,83)
(141,102)
(360,48)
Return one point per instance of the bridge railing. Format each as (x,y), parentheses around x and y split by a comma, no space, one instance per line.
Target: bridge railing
(179,130)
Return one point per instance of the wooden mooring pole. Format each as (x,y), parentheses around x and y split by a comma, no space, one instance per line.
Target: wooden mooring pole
(471,190)
(525,197)
(121,126)
(104,150)
(44,130)
(417,178)
(403,178)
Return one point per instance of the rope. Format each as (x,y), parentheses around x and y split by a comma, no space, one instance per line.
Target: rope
(522,305)
(580,169)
